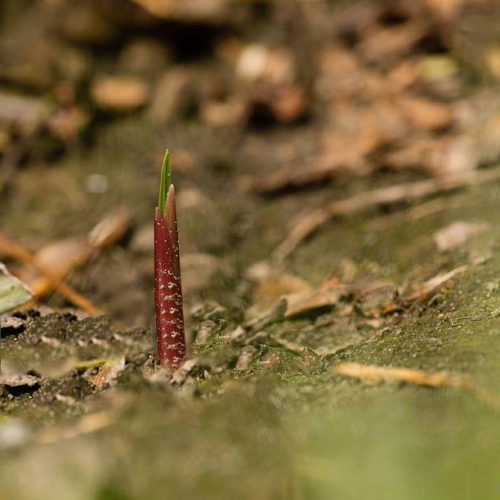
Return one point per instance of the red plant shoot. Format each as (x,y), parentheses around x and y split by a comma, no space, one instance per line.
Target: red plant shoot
(171,343)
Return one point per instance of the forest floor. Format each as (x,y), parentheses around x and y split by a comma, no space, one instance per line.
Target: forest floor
(358,359)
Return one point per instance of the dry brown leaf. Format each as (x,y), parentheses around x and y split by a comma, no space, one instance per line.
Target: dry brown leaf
(61,257)
(385,45)
(110,229)
(304,302)
(192,11)
(425,114)
(446,10)
(456,156)
(457,234)
(377,374)
(181,374)
(270,290)
(245,358)
(438,156)
(108,372)
(289,104)
(119,93)
(67,124)
(434,284)
(410,154)
(258,63)
(402,76)
(18,252)
(492,60)
(353,133)
(224,113)
(340,73)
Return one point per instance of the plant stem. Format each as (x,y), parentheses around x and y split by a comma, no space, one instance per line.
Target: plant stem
(170,337)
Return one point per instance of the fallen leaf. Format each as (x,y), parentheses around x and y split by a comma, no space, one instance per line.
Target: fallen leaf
(258,63)
(492,60)
(309,301)
(13,292)
(446,10)
(434,284)
(61,256)
(271,289)
(181,374)
(192,11)
(110,229)
(385,45)
(224,113)
(457,234)
(108,372)
(119,93)
(67,124)
(425,114)
(245,358)
(289,104)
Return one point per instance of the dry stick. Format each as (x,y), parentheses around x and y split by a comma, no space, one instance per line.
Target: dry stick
(377,374)
(384,196)
(18,252)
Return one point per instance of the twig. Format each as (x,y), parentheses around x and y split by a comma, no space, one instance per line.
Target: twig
(377,374)
(407,192)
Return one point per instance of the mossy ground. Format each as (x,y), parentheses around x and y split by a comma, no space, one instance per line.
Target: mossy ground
(285,426)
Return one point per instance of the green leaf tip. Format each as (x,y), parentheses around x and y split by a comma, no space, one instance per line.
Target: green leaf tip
(165,183)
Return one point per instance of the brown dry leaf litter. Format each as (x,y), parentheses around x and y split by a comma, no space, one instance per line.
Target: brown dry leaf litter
(377,374)
(434,284)
(409,192)
(457,234)
(120,93)
(48,268)
(108,372)
(424,293)
(16,251)
(64,256)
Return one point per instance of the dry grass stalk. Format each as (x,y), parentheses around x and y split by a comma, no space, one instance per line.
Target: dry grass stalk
(377,374)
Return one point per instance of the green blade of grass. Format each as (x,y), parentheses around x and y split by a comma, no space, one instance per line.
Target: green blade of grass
(165,182)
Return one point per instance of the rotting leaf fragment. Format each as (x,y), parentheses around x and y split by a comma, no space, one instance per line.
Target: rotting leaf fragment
(13,292)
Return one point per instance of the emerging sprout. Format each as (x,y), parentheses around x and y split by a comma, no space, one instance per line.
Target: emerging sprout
(170,338)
